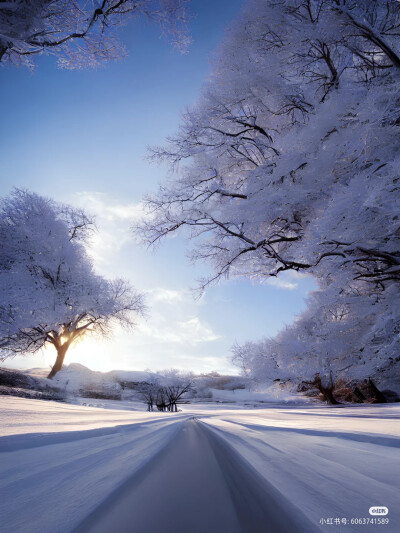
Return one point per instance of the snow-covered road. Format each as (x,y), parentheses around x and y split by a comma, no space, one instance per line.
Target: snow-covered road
(196,485)
(65,468)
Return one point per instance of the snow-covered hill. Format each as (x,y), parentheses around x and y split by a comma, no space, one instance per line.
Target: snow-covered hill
(121,389)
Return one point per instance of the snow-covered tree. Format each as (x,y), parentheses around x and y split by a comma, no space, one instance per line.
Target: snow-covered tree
(288,157)
(347,338)
(80,33)
(289,162)
(50,293)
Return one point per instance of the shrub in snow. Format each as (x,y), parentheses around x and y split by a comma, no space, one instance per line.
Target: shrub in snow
(17,383)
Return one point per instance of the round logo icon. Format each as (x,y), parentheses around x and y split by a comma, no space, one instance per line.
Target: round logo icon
(378,511)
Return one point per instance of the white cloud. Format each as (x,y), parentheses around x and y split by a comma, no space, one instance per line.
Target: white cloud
(188,332)
(106,207)
(174,319)
(194,331)
(286,280)
(114,221)
(167,295)
(281,283)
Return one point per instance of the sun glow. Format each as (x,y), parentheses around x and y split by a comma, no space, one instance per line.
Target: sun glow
(95,353)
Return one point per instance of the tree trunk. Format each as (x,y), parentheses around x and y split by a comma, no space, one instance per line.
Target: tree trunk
(379,397)
(61,351)
(327,391)
(359,394)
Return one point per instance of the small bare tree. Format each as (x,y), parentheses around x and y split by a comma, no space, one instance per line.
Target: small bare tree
(166,397)
(149,392)
(162,399)
(178,385)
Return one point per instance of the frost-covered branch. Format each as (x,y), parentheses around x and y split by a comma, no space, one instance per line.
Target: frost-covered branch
(80,33)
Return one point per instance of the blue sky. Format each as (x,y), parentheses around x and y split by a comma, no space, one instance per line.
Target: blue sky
(81,137)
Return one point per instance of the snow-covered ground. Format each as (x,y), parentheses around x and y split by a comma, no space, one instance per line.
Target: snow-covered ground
(331,463)
(70,467)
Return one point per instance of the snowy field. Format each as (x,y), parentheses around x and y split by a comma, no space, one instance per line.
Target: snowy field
(76,468)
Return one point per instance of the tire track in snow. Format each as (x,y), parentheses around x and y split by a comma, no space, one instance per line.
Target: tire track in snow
(197,484)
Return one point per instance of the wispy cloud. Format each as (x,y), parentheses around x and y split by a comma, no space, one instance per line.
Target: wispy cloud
(114,220)
(281,283)
(188,332)
(174,318)
(106,207)
(167,295)
(286,280)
